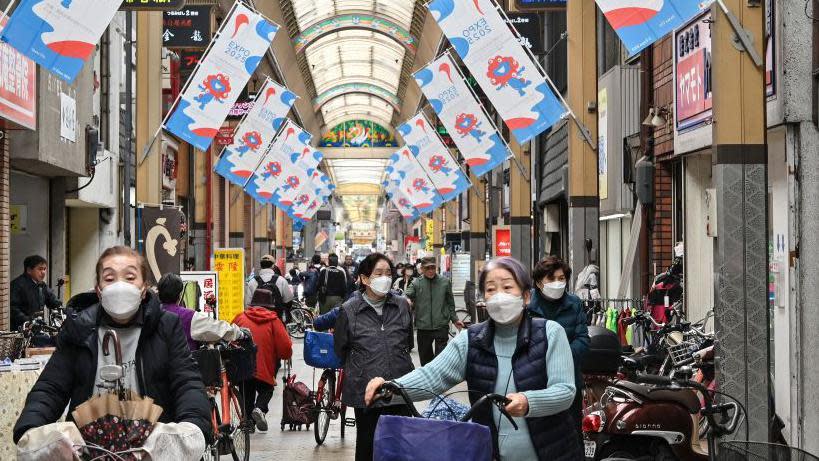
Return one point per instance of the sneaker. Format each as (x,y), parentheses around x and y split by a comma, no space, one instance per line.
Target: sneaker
(259,419)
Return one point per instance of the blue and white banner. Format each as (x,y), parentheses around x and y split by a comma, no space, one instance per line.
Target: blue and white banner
(475,135)
(508,76)
(422,140)
(298,176)
(402,202)
(405,173)
(639,23)
(59,35)
(223,72)
(270,174)
(307,204)
(255,132)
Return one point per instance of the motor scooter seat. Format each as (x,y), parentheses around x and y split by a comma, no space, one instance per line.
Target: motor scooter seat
(685,397)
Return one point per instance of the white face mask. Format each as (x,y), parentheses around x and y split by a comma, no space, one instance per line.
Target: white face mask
(121,300)
(504,308)
(553,290)
(381,285)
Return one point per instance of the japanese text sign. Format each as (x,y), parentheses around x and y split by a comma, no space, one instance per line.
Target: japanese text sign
(229,264)
(208,285)
(186,28)
(503,242)
(18,86)
(692,75)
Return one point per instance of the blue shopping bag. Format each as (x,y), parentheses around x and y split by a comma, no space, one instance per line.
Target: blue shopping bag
(398,438)
(318,350)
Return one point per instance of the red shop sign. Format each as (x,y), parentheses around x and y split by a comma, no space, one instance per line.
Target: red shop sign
(692,98)
(225,136)
(503,242)
(18,86)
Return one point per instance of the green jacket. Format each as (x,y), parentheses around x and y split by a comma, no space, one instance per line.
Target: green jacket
(433,302)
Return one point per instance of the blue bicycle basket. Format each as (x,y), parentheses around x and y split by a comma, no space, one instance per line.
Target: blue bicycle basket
(398,438)
(319,352)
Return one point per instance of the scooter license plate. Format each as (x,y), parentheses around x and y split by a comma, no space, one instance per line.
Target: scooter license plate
(590,448)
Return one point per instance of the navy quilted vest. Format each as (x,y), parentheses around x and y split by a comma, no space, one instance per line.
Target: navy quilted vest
(554,437)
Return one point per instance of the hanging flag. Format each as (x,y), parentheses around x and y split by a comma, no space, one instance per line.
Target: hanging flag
(59,35)
(236,51)
(639,23)
(475,135)
(298,174)
(255,132)
(402,202)
(406,174)
(269,176)
(500,65)
(434,157)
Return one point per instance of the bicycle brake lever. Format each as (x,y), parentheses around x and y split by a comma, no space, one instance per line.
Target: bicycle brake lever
(502,409)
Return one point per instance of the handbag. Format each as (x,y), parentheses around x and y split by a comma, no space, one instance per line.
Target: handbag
(398,438)
(319,352)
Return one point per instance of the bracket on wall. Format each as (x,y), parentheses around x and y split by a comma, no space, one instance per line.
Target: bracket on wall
(742,35)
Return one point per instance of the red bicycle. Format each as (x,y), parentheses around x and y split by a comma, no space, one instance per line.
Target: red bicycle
(329,406)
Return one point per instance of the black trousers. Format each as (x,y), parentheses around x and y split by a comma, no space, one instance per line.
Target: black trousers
(255,394)
(426,338)
(366,419)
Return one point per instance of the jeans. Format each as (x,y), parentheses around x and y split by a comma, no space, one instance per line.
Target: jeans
(425,340)
(365,421)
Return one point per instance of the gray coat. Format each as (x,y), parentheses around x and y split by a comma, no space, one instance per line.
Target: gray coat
(370,345)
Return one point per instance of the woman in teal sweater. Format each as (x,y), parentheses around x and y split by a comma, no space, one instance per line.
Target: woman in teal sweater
(528,360)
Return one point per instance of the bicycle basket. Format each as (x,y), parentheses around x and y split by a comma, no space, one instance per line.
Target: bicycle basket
(240,362)
(209,365)
(11,345)
(681,352)
(399,437)
(761,451)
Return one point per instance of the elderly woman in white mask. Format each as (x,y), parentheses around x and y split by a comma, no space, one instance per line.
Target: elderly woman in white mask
(527,360)
(156,362)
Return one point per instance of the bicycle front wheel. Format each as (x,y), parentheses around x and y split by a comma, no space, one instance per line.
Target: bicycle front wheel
(324,405)
(298,322)
(240,430)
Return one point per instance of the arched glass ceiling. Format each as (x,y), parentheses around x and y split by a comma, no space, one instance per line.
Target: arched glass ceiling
(357,171)
(356,105)
(310,11)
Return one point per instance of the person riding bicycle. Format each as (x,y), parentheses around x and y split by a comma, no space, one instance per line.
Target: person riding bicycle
(156,359)
(273,345)
(270,278)
(528,360)
(198,326)
(29,294)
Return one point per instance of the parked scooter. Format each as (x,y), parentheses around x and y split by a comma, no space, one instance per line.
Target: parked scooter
(642,422)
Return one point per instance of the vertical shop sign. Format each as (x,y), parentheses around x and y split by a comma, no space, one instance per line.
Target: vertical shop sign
(770,48)
(473,132)
(68,118)
(506,73)
(602,144)
(229,264)
(18,86)
(186,28)
(422,140)
(429,233)
(161,229)
(255,133)
(208,286)
(692,76)
(59,35)
(224,71)
(503,242)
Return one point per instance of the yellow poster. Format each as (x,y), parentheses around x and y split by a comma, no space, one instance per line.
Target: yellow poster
(429,231)
(229,264)
(19,219)
(602,143)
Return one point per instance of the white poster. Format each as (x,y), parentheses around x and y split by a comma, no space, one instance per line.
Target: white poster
(475,135)
(223,72)
(503,69)
(68,118)
(254,134)
(208,285)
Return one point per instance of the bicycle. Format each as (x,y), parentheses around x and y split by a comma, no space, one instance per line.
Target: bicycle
(329,405)
(13,344)
(231,428)
(300,319)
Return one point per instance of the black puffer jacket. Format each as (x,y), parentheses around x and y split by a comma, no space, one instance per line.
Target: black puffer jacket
(370,345)
(165,370)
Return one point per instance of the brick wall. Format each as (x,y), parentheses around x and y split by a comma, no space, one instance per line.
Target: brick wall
(5,235)
(661,230)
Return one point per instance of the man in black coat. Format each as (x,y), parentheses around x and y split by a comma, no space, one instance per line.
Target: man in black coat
(164,367)
(29,292)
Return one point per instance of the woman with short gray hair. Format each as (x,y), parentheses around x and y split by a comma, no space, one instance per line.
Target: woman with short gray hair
(527,360)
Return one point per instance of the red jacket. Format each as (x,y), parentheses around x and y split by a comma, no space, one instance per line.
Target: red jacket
(271,338)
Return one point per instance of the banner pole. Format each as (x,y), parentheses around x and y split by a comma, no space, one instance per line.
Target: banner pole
(6,11)
(147,150)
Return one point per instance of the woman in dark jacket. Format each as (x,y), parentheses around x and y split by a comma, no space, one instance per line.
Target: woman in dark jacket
(373,337)
(551,301)
(157,360)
